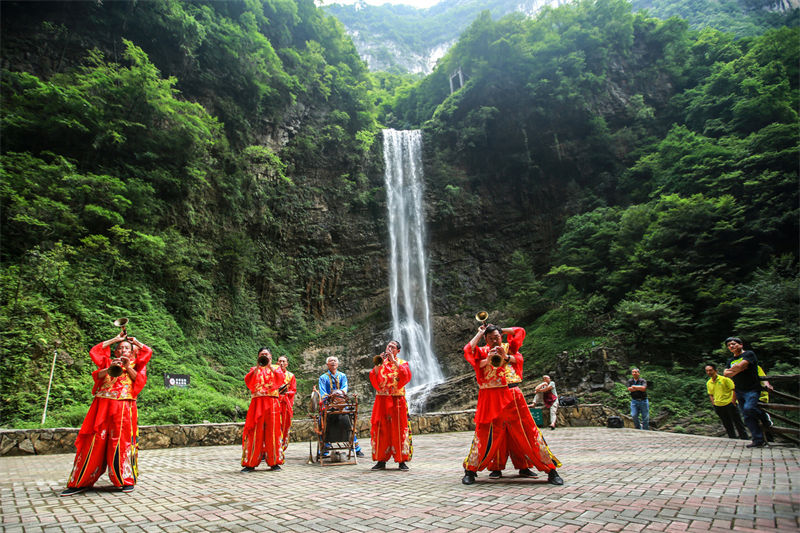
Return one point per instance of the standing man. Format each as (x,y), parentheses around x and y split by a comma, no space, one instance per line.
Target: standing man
(743,370)
(723,399)
(262,437)
(287,392)
(390,436)
(109,435)
(546,395)
(334,383)
(640,405)
(503,423)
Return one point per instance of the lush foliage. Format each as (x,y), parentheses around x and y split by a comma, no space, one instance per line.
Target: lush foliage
(675,153)
(122,195)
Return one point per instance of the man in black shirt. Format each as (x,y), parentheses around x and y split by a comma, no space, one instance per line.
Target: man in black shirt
(640,405)
(743,370)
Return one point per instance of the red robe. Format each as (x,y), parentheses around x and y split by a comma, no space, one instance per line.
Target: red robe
(503,422)
(109,435)
(390,435)
(262,428)
(287,407)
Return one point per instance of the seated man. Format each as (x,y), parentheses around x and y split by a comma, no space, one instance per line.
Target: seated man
(331,384)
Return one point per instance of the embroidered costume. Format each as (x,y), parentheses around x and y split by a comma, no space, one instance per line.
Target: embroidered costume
(503,423)
(390,435)
(109,435)
(287,406)
(262,437)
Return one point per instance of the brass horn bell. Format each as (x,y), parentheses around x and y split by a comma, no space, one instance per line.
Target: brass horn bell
(377,360)
(482,316)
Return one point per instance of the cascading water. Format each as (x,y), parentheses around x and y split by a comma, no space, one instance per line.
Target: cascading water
(408,282)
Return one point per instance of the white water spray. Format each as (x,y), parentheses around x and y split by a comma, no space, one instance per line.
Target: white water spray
(408,282)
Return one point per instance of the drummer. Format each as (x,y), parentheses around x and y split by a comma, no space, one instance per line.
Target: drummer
(334,383)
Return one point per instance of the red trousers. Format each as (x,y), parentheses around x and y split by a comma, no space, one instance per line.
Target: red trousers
(262,433)
(513,432)
(390,436)
(107,439)
(286,422)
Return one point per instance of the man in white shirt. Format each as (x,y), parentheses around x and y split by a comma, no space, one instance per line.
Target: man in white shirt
(546,395)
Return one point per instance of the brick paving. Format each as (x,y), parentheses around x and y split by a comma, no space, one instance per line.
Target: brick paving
(616,480)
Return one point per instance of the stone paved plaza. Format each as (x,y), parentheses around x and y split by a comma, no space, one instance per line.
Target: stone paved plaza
(616,479)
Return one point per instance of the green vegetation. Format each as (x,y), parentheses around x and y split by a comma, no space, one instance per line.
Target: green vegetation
(122,195)
(212,170)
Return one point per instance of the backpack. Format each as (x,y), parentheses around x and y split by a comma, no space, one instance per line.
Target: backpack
(565,401)
(615,422)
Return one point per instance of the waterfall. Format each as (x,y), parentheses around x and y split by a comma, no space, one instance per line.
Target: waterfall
(408,282)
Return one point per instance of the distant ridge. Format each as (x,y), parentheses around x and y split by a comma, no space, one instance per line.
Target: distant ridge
(404,39)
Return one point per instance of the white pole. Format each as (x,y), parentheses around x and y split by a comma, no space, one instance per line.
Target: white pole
(47,398)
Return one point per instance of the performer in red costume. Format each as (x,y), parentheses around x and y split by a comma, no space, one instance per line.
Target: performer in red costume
(390,435)
(504,424)
(109,435)
(287,392)
(262,427)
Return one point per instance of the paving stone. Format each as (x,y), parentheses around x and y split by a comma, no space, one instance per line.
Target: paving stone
(616,480)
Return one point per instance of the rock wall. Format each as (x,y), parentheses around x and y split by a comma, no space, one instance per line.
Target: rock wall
(62,440)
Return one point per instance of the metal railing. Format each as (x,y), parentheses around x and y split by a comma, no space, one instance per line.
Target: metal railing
(790,431)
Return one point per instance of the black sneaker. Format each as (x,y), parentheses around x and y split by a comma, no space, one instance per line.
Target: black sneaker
(380,465)
(756,444)
(469,477)
(527,472)
(495,474)
(248,469)
(127,488)
(71,491)
(359,453)
(402,466)
(275,468)
(554,479)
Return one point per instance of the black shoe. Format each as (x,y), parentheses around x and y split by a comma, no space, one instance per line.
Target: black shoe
(756,444)
(495,474)
(127,488)
(380,465)
(247,469)
(359,453)
(275,468)
(554,479)
(527,472)
(402,466)
(71,491)
(469,477)
(552,427)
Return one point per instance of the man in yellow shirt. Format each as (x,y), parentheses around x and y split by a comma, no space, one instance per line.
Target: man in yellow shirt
(723,397)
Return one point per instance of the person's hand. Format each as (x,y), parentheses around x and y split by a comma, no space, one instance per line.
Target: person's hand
(481,328)
(124,362)
(121,337)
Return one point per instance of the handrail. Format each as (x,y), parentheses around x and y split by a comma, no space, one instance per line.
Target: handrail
(791,431)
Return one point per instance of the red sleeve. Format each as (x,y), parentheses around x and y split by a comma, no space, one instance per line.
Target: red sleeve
(141,381)
(97,381)
(517,365)
(403,375)
(143,356)
(374,379)
(515,339)
(278,379)
(471,355)
(291,390)
(250,378)
(101,356)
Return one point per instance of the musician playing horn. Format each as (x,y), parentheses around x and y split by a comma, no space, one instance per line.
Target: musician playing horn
(503,423)
(108,436)
(390,435)
(262,436)
(287,392)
